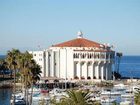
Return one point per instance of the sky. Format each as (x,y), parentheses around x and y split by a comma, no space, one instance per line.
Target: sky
(38,24)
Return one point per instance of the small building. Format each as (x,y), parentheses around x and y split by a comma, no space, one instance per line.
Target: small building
(79,58)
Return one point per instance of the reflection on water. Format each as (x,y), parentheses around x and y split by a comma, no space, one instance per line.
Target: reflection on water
(5,96)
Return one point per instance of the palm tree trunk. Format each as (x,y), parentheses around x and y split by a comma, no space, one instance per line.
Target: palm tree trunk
(31,94)
(3,75)
(27,96)
(14,89)
(11,74)
(25,90)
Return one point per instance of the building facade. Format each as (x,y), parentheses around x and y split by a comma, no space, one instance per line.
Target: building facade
(79,58)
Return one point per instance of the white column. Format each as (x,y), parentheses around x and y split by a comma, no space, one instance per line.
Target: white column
(97,71)
(66,64)
(93,69)
(52,64)
(102,72)
(84,70)
(107,77)
(110,71)
(78,70)
(59,65)
(47,64)
(90,71)
(75,69)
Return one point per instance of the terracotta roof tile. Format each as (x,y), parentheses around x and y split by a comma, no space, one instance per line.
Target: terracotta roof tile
(78,42)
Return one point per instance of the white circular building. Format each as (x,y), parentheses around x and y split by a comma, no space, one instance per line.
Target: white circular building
(79,58)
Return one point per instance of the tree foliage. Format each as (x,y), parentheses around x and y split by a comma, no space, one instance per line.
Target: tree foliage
(137,97)
(76,97)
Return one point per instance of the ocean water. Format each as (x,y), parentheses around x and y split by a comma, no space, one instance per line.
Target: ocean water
(5,95)
(2,56)
(130,66)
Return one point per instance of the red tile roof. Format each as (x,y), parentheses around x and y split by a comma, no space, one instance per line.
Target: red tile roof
(78,42)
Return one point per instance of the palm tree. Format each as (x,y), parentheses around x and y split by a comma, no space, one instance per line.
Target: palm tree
(34,76)
(12,60)
(24,65)
(30,73)
(28,70)
(75,98)
(3,66)
(137,97)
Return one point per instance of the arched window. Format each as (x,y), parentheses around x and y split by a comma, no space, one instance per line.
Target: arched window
(107,56)
(82,77)
(92,55)
(76,77)
(82,55)
(74,56)
(88,77)
(94,77)
(77,55)
(88,55)
(98,56)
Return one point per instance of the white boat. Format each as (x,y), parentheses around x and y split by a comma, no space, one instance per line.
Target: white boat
(96,98)
(135,88)
(35,90)
(107,100)
(37,98)
(127,95)
(125,103)
(110,93)
(120,85)
(20,102)
(57,92)
(19,99)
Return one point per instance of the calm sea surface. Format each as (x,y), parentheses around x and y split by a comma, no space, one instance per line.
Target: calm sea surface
(129,67)
(5,96)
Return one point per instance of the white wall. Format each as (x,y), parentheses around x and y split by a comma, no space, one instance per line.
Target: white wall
(38,56)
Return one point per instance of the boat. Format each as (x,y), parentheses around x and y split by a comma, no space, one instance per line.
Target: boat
(35,90)
(37,97)
(96,98)
(110,93)
(120,86)
(108,100)
(19,99)
(127,95)
(126,103)
(57,91)
(44,91)
(20,102)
